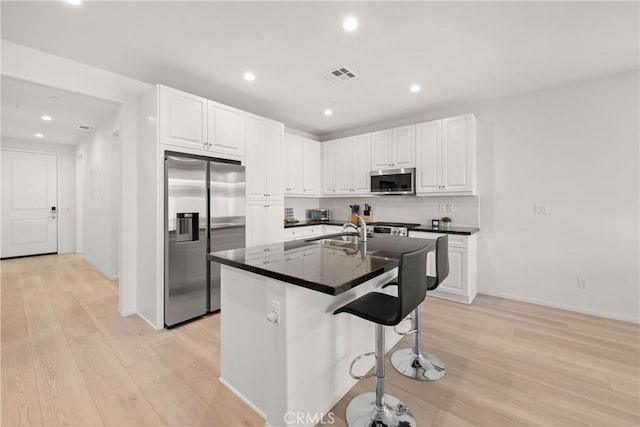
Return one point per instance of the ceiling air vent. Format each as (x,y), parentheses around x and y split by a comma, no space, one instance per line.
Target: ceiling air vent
(340,74)
(84,127)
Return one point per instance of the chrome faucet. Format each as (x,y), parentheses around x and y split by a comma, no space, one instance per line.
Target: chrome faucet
(363,227)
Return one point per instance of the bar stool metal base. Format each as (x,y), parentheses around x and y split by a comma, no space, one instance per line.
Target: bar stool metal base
(362,412)
(423,366)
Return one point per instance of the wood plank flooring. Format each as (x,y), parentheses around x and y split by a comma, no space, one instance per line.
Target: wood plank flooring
(69,358)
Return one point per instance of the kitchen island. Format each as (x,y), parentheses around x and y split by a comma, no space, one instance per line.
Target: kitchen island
(282,350)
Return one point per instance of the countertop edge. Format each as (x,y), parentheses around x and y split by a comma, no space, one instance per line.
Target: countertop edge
(296,281)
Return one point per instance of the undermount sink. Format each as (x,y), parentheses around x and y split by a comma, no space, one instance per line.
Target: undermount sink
(340,240)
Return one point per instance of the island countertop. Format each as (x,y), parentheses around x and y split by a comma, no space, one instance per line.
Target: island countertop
(330,268)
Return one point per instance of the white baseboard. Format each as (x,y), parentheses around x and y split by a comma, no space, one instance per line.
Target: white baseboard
(149,322)
(561,306)
(244,399)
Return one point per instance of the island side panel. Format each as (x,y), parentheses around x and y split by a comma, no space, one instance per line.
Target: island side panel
(321,346)
(243,336)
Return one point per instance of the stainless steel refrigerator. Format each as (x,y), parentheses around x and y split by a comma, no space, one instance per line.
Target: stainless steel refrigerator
(204,212)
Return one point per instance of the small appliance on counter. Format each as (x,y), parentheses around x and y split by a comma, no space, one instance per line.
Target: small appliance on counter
(367,213)
(319,215)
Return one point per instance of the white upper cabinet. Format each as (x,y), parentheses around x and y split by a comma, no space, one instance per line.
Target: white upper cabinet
(226,129)
(393,148)
(195,123)
(329,168)
(303,170)
(294,164)
(352,165)
(183,119)
(446,156)
(312,167)
(264,158)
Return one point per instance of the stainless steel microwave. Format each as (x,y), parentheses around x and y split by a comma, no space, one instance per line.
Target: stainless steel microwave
(393,181)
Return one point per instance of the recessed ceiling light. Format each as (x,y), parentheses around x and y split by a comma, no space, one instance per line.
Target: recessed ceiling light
(350,24)
(249,76)
(74,2)
(328,112)
(46,118)
(39,135)
(415,88)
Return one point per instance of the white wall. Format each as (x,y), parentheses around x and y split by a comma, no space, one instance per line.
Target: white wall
(301,205)
(40,67)
(66,187)
(98,163)
(575,149)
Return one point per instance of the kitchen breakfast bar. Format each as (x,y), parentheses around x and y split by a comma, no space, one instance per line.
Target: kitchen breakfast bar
(282,350)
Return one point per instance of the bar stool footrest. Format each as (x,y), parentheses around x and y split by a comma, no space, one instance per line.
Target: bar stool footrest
(362,377)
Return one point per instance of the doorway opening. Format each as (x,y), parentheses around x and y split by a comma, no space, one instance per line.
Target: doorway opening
(60,174)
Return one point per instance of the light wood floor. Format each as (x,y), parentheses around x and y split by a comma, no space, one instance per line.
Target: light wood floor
(69,358)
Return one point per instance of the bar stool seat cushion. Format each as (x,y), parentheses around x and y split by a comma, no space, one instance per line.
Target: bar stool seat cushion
(376,307)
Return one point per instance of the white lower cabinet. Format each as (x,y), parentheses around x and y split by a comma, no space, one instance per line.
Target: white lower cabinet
(303,232)
(264,222)
(461,284)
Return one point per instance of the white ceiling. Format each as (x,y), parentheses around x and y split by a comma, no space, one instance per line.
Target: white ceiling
(24,103)
(458,51)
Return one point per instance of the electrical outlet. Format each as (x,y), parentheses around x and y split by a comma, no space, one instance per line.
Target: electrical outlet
(442,207)
(273,312)
(540,209)
(582,283)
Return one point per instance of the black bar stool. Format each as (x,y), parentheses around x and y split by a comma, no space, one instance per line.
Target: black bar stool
(380,409)
(412,362)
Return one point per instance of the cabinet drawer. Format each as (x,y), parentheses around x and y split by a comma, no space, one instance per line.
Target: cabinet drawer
(455,240)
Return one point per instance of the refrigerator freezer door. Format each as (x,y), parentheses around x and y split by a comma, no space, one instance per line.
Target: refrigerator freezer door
(186,248)
(227,188)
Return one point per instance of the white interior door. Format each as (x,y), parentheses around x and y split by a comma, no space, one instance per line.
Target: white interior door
(29,203)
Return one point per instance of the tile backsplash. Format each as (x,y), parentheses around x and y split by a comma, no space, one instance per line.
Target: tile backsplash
(463,210)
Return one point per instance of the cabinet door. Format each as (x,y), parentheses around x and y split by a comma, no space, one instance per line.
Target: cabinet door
(329,167)
(256,230)
(294,164)
(404,147)
(457,154)
(312,174)
(361,181)
(457,279)
(274,143)
(428,153)
(274,222)
(226,129)
(183,119)
(344,150)
(381,150)
(255,164)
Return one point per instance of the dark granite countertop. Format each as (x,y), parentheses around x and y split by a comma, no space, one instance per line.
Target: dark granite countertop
(328,268)
(308,222)
(467,231)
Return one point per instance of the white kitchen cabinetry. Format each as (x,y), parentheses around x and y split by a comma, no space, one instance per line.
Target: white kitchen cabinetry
(264,159)
(393,148)
(225,129)
(352,166)
(303,232)
(302,166)
(183,119)
(329,168)
(264,224)
(461,284)
(446,156)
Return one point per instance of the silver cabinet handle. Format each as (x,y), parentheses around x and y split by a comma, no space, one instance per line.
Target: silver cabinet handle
(266,206)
